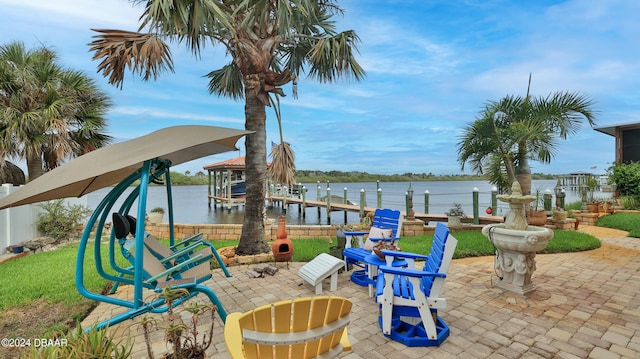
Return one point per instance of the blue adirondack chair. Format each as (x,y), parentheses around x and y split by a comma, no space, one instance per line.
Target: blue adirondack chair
(382,219)
(409,293)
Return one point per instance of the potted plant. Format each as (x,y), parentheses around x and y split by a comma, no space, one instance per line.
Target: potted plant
(537,217)
(607,205)
(592,202)
(559,215)
(454,215)
(156,214)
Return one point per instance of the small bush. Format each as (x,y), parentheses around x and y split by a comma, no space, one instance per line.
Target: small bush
(573,206)
(59,221)
(629,202)
(626,176)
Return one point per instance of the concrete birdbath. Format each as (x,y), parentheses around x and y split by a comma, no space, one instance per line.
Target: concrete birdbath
(516,243)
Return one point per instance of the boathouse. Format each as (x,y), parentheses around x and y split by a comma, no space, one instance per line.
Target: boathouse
(227,182)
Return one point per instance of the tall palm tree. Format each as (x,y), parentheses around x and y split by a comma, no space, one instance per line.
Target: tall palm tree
(269,42)
(48,114)
(510,132)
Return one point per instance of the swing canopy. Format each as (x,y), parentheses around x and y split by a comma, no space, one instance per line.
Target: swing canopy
(111,164)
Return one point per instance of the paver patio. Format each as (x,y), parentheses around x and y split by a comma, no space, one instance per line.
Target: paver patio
(586,305)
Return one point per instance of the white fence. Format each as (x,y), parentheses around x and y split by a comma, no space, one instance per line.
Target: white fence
(18,224)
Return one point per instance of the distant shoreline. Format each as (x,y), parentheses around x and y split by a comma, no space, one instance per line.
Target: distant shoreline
(311,176)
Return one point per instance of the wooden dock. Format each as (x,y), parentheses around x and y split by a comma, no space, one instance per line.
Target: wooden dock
(226,201)
(343,207)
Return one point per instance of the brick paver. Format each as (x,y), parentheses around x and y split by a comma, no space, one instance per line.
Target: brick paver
(586,305)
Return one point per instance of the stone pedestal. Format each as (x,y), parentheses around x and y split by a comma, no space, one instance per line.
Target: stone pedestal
(516,244)
(516,269)
(568,223)
(587,219)
(516,253)
(412,227)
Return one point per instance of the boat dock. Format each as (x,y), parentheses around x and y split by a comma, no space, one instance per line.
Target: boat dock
(226,202)
(303,205)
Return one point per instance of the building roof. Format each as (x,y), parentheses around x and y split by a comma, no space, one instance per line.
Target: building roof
(230,164)
(611,129)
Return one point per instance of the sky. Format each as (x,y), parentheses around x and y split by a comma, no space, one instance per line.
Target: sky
(431,67)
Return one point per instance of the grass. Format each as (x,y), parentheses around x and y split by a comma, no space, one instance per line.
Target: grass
(470,244)
(46,280)
(565,241)
(573,206)
(39,296)
(625,221)
(48,275)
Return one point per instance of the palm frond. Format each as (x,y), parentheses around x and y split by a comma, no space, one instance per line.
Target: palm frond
(226,81)
(282,169)
(564,111)
(497,173)
(143,53)
(193,21)
(334,57)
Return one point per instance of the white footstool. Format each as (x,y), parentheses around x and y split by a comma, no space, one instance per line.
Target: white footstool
(320,268)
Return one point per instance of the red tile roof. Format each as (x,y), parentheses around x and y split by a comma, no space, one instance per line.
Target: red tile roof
(234,163)
(231,164)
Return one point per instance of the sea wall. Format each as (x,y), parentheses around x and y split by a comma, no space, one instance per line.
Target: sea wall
(214,232)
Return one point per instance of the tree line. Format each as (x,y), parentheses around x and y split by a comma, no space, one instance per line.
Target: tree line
(310,176)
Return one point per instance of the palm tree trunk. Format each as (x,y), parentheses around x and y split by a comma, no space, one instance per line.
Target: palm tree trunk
(34,166)
(523,175)
(252,239)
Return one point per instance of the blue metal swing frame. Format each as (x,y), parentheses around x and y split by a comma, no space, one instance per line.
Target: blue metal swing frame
(150,171)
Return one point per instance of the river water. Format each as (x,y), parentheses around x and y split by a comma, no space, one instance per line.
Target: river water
(191,207)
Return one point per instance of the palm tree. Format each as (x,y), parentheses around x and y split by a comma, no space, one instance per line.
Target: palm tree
(11,173)
(510,132)
(269,41)
(48,114)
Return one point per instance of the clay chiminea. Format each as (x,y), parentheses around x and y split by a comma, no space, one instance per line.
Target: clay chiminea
(282,247)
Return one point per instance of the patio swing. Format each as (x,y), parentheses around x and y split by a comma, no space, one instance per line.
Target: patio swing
(136,274)
(146,159)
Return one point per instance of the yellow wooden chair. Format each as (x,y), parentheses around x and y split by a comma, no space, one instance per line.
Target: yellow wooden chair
(312,327)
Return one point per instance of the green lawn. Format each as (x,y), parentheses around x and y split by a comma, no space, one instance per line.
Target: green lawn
(625,221)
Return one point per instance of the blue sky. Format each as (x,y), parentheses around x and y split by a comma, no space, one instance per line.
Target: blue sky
(431,66)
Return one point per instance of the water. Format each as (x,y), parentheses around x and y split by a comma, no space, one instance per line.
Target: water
(190,202)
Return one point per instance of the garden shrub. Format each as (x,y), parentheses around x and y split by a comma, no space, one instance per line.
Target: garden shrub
(59,220)
(626,176)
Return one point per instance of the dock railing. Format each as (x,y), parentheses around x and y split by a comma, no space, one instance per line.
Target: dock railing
(324,198)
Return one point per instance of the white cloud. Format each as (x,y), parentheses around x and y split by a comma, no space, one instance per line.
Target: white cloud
(81,13)
(172,115)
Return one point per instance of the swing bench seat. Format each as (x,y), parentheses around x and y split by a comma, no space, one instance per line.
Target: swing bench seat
(179,252)
(184,274)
